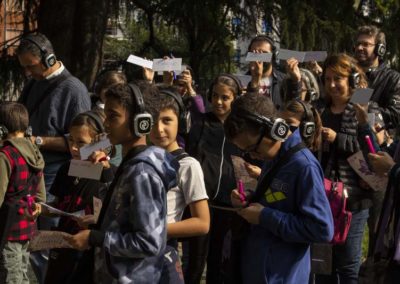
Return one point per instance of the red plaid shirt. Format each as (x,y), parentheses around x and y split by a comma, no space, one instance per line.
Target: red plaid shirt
(22,229)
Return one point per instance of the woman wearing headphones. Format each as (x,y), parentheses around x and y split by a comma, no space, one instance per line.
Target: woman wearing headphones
(340,135)
(207,143)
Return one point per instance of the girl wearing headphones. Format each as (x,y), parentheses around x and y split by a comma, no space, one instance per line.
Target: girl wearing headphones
(340,136)
(207,143)
(75,194)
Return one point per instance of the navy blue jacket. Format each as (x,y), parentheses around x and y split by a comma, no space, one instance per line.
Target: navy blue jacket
(296,214)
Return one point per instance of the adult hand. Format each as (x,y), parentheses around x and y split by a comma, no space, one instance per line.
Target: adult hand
(80,241)
(148,74)
(292,69)
(252,213)
(328,134)
(381,162)
(361,113)
(236,201)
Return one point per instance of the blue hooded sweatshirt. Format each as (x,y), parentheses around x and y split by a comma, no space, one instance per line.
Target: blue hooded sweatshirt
(135,220)
(296,214)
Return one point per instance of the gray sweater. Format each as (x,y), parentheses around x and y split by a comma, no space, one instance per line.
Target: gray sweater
(54,114)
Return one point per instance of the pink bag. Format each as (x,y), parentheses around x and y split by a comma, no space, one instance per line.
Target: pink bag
(337,197)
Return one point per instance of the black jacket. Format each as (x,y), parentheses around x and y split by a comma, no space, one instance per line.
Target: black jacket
(386,85)
(207,143)
(278,98)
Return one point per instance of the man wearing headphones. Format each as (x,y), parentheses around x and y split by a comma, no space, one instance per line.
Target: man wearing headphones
(53,98)
(266,79)
(289,209)
(369,50)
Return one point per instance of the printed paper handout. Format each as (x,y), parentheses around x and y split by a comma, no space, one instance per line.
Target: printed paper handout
(302,56)
(59,212)
(242,174)
(360,166)
(48,240)
(263,57)
(85,169)
(361,96)
(88,150)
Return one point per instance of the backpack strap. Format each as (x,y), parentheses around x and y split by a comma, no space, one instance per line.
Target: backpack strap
(267,178)
(179,154)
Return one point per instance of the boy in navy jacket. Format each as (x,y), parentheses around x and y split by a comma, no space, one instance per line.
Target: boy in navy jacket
(293,212)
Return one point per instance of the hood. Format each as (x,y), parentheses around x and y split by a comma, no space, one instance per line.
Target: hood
(29,151)
(163,162)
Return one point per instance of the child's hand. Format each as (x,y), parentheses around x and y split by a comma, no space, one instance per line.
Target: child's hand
(236,200)
(381,162)
(292,69)
(100,157)
(252,170)
(252,213)
(80,241)
(85,221)
(148,74)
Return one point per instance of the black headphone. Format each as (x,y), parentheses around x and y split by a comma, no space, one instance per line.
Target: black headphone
(97,120)
(230,76)
(380,50)
(47,59)
(184,118)
(3,132)
(307,125)
(271,41)
(311,94)
(276,129)
(142,122)
(354,78)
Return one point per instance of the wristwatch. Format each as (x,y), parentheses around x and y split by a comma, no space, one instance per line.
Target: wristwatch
(39,141)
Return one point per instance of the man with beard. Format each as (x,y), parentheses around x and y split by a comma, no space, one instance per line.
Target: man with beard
(369,50)
(266,79)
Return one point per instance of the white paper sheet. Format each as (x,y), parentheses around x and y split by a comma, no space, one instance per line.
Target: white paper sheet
(263,57)
(361,96)
(140,61)
(85,169)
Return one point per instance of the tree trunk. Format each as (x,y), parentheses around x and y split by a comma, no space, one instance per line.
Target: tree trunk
(76,29)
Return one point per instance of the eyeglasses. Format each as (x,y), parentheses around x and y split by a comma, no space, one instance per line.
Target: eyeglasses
(364,44)
(254,147)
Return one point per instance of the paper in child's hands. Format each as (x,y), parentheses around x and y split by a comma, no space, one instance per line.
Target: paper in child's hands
(360,166)
(88,150)
(361,96)
(254,56)
(85,169)
(48,240)
(242,174)
(59,212)
(97,204)
(302,56)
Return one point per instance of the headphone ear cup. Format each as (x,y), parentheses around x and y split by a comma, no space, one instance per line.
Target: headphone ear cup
(49,60)
(354,79)
(142,124)
(3,131)
(307,129)
(380,50)
(279,130)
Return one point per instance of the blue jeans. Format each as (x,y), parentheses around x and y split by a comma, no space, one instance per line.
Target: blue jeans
(39,259)
(347,257)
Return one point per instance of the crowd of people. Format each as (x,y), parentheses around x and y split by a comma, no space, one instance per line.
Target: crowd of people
(172,207)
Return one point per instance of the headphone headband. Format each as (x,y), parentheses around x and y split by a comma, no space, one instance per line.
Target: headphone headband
(97,120)
(48,60)
(142,121)
(185,121)
(278,129)
(307,125)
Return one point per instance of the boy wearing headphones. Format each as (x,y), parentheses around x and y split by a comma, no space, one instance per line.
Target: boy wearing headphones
(292,210)
(21,186)
(171,118)
(130,235)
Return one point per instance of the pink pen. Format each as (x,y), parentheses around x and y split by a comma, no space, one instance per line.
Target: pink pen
(29,200)
(369,143)
(241,191)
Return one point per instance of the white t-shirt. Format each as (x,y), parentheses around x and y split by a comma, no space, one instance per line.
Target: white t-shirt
(190,188)
(265,86)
